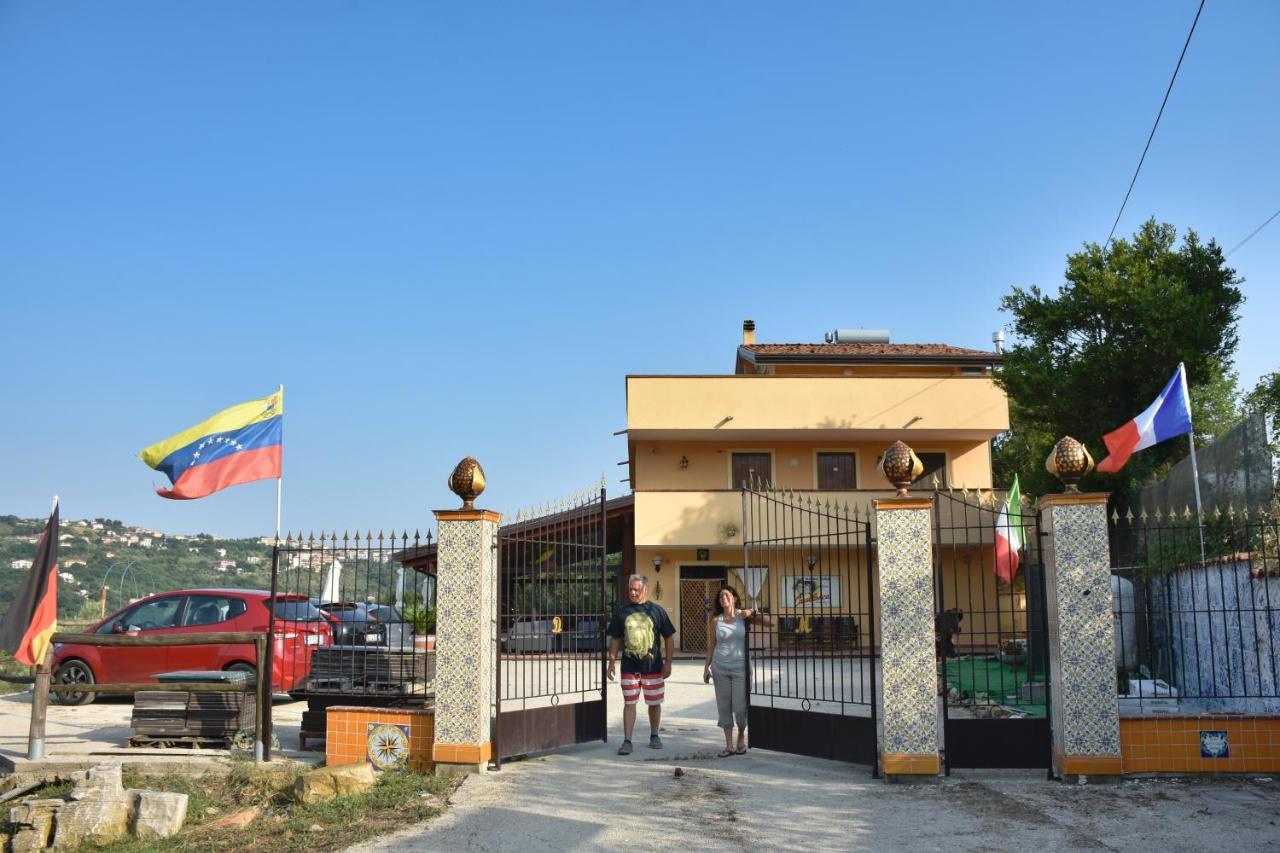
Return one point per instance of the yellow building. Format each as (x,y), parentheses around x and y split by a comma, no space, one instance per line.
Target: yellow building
(809,418)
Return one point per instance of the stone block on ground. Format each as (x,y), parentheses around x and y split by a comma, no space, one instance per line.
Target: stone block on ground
(105,778)
(101,820)
(33,820)
(326,783)
(157,814)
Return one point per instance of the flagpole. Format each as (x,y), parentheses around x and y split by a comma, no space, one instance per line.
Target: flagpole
(1195,468)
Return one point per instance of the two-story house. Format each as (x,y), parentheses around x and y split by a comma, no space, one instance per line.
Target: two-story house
(810,418)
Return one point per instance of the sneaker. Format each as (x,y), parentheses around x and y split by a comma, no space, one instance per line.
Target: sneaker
(655,742)
(625,749)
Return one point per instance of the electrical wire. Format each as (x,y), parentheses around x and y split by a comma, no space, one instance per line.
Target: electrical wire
(1253,233)
(1152,135)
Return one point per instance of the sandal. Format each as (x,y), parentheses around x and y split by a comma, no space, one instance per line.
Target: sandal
(725,753)
(742,750)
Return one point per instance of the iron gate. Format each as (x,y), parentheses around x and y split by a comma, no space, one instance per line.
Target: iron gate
(554,601)
(813,671)
(992,646)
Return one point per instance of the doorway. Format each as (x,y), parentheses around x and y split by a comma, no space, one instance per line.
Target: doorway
(699,586)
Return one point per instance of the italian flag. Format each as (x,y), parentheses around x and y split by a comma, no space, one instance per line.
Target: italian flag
(1009,534)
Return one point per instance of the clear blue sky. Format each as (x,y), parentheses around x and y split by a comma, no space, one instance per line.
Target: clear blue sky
(452,229)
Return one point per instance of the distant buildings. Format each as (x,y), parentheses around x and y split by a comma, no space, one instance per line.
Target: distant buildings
(20,565)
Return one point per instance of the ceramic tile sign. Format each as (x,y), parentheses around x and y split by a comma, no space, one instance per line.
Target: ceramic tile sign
(1213,744)
(388,745)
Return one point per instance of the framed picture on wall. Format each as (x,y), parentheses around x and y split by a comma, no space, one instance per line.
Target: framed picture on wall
(811,591)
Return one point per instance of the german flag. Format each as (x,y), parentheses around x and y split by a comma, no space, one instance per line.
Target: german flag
(32,618)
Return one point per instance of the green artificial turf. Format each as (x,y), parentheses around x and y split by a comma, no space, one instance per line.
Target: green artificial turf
(1003,683)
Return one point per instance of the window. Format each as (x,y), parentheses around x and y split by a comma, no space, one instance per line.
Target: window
(161,613)
(212,609)
(934,463)
(837,471)
(751,467)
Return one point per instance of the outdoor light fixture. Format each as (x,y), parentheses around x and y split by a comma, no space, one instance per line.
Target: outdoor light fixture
(684,463)
(657,563)
(813,561)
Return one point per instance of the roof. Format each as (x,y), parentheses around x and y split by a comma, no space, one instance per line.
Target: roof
(853,353)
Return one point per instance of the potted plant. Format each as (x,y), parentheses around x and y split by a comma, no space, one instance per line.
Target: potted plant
(1013,652)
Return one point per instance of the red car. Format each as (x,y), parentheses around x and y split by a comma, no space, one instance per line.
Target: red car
(300,627)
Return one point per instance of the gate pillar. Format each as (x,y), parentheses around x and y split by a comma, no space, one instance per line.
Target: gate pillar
(909,681)
(466,627)
(1084,709)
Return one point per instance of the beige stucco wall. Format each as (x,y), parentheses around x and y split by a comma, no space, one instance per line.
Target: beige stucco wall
(886,405)
(658,463)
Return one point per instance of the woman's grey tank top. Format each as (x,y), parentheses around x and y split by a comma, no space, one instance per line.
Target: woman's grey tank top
(731,644)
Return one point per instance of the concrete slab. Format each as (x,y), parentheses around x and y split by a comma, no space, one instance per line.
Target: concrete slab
(78,737)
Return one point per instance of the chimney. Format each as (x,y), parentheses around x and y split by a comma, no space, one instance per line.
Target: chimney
(748,332)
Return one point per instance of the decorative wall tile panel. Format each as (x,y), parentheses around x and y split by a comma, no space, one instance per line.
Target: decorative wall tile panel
(907,634)
(465,624)
(1081,630)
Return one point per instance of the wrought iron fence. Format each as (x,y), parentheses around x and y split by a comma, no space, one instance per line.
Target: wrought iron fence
(557,589)
(349,619)
(807,563)
(1196,607)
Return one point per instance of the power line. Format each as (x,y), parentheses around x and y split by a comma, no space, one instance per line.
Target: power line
(1253,233)
(1152,135)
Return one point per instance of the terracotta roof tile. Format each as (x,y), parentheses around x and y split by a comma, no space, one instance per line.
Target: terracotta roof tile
(868,350)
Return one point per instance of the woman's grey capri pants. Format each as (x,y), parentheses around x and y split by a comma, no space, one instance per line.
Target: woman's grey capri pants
(731,696)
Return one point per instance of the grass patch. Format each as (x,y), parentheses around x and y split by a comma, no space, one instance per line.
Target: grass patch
(9,666)
(399,798)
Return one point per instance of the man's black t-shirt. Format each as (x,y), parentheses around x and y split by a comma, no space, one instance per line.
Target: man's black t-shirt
(642,628)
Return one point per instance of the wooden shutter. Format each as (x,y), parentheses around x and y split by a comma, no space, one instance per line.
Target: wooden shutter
(836,471)
(751,468)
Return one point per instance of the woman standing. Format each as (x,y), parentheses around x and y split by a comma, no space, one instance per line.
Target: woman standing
(727,663)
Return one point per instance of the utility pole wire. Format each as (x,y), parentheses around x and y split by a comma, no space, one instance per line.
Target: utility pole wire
(1253,233)
(1152,135)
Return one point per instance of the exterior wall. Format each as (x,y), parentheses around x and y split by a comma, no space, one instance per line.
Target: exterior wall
(657,464)
(1172,744)
(886,405)
(347,734)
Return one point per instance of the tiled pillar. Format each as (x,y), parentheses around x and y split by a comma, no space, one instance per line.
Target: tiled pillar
(904,543)
(466,622)
(1084,709)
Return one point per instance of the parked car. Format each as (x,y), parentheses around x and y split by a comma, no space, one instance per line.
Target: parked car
(356,624)
(300,627)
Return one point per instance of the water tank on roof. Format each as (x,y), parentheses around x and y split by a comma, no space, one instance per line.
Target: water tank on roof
(858,336)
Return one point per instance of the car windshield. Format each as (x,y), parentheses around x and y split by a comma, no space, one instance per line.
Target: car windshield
(297,610)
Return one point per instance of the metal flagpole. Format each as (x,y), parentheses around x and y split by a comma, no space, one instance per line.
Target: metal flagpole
(1195,468)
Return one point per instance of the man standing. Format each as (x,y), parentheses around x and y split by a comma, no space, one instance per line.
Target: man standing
(635,631)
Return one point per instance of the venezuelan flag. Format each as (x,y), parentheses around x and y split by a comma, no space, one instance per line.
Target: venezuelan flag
(238,445)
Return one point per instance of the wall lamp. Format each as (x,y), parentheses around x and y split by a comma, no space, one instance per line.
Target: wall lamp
(813,561)
(684,463)
(657,563)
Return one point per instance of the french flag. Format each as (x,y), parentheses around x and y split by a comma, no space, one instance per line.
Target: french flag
(1168,417)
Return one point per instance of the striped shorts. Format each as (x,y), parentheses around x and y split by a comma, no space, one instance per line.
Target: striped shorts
(653,686)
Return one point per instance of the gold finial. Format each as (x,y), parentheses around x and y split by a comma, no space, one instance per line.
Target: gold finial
(900,466)
(467,481)
(1069,461)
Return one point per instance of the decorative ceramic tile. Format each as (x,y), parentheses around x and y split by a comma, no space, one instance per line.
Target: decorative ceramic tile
(906,628)
(1081,630)
(465,625)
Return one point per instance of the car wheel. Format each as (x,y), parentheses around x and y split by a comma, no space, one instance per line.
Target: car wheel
(74,672)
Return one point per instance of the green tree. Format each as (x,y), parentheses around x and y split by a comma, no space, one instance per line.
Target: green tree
(1093,355)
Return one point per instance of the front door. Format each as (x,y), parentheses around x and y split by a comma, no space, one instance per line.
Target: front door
(699,587)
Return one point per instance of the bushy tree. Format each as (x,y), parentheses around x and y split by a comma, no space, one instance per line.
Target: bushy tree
(1093,355)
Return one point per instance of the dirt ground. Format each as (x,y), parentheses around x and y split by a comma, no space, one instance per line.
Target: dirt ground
(587,798)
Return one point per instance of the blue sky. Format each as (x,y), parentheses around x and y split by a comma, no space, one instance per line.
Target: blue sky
(452,229)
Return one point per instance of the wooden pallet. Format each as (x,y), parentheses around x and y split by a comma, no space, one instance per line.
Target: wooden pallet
(167,741)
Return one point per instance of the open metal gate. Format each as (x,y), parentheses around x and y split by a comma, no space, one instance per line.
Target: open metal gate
(992,646)
(554,601)
(814,669)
